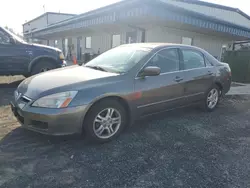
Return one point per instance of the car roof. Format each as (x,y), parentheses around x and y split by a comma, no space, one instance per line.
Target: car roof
(158,45)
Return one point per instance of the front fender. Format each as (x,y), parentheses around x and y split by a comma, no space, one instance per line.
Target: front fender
(130,108)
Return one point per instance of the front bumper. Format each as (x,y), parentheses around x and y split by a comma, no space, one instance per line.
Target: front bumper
(65,121)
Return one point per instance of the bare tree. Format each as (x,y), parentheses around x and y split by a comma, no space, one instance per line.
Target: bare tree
(12,31)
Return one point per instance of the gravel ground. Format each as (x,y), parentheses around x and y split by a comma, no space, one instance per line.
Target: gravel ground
(184,148)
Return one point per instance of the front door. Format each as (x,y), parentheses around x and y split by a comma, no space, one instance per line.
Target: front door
(162,92)
(199,76)
(14,57)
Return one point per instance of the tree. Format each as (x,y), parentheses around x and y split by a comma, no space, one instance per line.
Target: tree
(12,31)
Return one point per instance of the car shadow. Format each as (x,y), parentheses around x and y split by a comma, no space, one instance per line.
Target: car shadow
(19,136)
(11,84)
(7,92)
(174,142)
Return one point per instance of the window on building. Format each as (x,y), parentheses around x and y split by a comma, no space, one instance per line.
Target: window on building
(88,42)
(4,39)
(193,59)
(116,40)
(187,41)
(167,60)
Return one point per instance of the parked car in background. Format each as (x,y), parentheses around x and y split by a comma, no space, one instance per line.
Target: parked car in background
(18,57)
(105,95)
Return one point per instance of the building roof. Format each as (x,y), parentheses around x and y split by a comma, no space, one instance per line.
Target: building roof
(46,13)
(206,15)
(208,4)
(220,12)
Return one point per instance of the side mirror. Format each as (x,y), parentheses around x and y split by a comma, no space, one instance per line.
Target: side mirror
(150,71)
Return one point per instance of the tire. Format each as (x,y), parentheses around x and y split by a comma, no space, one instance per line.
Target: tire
(42,66)
(210,105)
(93,130)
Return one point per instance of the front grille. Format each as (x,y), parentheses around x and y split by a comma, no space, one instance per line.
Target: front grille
(25,99)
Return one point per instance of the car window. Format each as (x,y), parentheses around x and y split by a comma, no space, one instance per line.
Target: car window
(192,59)
(167,60)
(208,63)
(4,39)
(120,59)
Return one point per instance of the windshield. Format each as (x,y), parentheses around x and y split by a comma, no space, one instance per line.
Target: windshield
(14,36)
(119,60)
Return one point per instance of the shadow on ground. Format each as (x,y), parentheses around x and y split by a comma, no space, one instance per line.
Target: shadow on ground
(7,92)
(10,85)
(184,148)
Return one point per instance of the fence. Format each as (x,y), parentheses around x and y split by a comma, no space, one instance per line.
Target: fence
(239,62)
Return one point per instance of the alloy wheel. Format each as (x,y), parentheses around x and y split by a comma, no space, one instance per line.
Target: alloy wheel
(107,123)
(212,98)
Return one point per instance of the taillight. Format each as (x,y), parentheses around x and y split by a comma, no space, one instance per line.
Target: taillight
(229,70)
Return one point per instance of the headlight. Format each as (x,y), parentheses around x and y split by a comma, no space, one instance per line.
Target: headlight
(61,56)
(58,100)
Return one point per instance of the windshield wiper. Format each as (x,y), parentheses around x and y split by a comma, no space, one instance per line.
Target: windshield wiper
(104,69)
(98,68)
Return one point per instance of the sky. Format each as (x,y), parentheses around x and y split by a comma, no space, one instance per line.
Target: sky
(16,12)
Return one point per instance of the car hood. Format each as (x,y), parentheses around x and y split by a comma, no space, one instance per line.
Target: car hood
(46,47)
(60,80)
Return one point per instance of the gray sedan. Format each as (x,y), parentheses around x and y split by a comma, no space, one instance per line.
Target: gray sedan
(107,94)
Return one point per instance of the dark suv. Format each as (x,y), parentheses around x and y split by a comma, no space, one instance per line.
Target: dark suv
(18,57)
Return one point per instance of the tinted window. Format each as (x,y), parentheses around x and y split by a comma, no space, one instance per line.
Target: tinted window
(120,59)
(167,60)
(4,39)
(208,63)
(192,59)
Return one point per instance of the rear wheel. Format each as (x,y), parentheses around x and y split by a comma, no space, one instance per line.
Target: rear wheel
(212,98)
(42,66)
(105,121)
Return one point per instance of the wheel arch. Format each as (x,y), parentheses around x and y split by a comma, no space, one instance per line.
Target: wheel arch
(220,86)
(120,99)
(38,59)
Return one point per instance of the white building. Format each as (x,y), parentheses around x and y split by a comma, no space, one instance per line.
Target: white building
(43,21)
(192,22)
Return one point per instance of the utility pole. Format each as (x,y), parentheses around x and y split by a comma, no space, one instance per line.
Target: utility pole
(47,17)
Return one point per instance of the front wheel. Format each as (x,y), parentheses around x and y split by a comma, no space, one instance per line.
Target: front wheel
(212,98)
(42,66)
(105,121)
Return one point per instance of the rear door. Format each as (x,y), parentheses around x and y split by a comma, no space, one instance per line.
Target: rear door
(14,57)
(199,75)
(165,91)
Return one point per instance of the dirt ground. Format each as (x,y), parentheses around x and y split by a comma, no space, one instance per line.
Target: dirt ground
(184,148)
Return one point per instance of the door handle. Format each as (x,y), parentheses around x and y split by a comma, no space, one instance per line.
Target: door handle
(178,79)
